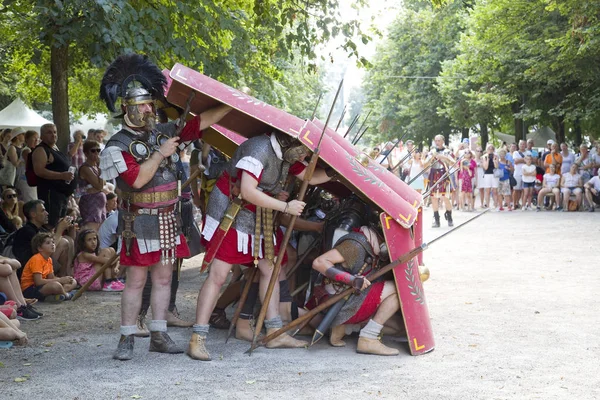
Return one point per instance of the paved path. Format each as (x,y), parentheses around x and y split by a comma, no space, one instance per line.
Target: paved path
(514,307)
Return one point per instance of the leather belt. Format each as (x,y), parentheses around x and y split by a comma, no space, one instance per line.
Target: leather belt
(150,197)
(152,211)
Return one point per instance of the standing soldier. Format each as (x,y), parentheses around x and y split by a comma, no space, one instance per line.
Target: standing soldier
(257,171)
(142,158)
(440,159)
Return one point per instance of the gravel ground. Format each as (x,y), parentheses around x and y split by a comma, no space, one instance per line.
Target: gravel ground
(507,326)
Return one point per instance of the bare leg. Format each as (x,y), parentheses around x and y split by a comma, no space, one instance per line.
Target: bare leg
(209,293)
(578,199)
(566,196)
(447,203)
(131,298)
(63,256)
(266,270)
(389,303)
(541,194)
(486,195)
(52,288)
(9,284)
(161,275)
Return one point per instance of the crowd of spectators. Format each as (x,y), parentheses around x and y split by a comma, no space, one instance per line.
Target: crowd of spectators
(512,177)
(53,204)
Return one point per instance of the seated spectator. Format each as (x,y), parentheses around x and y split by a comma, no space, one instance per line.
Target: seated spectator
(107,234)
(9,331)
(592,192)
(9,285)
(571,183)
(37,216)
(17,222)
(550,184)
(9,209)
(90,258)
(38,280)
(112,202)
(92,203)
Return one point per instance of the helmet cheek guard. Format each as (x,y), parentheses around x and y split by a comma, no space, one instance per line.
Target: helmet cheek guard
(294,154)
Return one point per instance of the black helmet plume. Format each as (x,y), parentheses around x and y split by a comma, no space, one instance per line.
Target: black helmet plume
(131,69)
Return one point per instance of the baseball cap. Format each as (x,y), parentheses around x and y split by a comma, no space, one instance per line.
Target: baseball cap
(550,141)
(465,140)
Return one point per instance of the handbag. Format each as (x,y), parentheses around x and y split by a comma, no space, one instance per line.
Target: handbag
(498,172)
(513,181)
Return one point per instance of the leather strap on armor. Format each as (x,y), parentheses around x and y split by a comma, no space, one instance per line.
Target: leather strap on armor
(151,197)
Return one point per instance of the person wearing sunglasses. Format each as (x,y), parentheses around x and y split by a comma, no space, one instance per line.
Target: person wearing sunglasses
(92,204)
(9,209)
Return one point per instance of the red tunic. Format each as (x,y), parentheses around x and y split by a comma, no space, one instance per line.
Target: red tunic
(228,250)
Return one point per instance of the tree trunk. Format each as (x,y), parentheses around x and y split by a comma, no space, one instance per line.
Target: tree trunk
(465,133)
(519,127)
(578,135)
(59,64)
(559,128)
(485,137)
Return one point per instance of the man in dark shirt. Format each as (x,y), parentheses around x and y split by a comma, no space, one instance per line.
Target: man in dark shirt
(37,217)
(55,174)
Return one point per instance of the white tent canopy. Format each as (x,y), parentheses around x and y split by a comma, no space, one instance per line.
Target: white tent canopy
(18,114)
(540,137)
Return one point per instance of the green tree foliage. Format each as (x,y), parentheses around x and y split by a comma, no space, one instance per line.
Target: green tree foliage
(55,51)
(509,64)
(401,87)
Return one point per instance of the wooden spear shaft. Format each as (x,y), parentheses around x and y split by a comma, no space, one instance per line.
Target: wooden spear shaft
(290,228)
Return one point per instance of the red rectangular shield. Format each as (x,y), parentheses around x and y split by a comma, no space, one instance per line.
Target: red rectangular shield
(250,116)
(409,287)
(362,180)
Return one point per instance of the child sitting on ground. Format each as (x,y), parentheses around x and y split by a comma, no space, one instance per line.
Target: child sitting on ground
(90,259)
(38,280)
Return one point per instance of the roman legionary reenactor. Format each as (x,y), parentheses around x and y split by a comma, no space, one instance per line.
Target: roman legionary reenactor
(440,159)
(142,158)
(374,305)
(256,173)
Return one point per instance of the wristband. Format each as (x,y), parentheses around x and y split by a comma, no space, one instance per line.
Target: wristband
(344,277)
(286,208)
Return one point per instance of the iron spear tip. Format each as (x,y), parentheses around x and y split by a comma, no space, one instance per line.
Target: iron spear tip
(316,337)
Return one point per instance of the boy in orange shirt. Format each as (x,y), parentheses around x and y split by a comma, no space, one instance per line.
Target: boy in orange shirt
(38,280)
